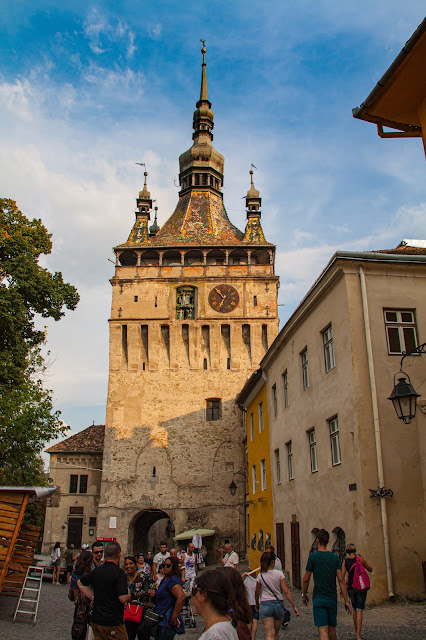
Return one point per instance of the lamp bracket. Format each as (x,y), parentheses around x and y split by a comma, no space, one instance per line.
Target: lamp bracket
(417,351)
(381,493)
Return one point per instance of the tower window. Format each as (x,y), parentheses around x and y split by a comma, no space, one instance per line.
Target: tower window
(255,301)
(213,409)
(185,303)
(205,176)
(154,472)
(136,298)
(205,363)
(124,342)
(155,302)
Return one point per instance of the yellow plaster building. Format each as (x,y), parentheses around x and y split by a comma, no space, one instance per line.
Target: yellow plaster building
(259,512)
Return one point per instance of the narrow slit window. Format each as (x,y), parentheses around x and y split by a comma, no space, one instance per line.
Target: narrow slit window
(255,301)
(136,298)
(124,342)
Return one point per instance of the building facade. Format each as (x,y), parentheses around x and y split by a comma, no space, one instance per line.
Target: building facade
(194,309)
(259,506)
(334,431)
(76,469)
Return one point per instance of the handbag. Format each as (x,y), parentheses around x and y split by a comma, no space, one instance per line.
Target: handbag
(150,622)
(133,612)
(78,630)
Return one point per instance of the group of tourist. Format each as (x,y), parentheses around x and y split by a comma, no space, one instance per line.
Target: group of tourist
(146,599)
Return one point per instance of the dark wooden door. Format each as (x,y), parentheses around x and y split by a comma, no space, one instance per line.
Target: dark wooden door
(295,555)
(75,529)
(279,534)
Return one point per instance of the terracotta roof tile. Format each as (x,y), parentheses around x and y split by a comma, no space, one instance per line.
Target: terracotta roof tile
(90,440)
(404,249)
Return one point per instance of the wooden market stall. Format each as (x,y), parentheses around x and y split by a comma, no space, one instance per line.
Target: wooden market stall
(18,540)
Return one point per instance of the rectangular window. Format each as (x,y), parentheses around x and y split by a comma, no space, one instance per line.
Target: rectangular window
(213,409)
(285,385)
(73,483)
(274,398)
(83,484)
(336,457)
(251,426)
(277,465)
(329,359)
(76,511)
(305,372)
(260,408)
(313,450)
(290,460)
(263,474)
(253,477)
(92,521)
(401,332)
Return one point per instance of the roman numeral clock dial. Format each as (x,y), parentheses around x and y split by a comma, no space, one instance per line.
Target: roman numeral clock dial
(223,298)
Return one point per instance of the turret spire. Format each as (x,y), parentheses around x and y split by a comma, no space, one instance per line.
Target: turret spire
(203,91)
(254,231)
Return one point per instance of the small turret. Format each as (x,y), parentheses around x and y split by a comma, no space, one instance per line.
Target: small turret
(154,228)
(254,231)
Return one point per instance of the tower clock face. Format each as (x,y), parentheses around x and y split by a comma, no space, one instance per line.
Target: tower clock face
(223,298)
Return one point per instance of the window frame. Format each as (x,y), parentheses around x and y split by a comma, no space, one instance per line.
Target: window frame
(260,414)
(251,426)
(335,438)
(211,410)
(305,368)
(263,474)
(328,344)
(400,325)
(290,466)
(73,481)
(83,483)
(313,457)
(277,465)
(253,478)
(285,389)
(275,399)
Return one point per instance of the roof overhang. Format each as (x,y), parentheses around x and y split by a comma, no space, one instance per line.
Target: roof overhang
(396,99)
(35,493)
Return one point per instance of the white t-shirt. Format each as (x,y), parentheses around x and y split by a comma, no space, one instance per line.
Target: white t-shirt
(189,563)
(159,557)
(272,591)
(230,559)
(220,631)
(250,587)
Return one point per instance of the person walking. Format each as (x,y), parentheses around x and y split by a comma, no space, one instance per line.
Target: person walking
(325,566)
(70,557)
(169,601)
(142,589)
(107,584)
(81,602)
(56,562)
(228,557)
(250,588)
(212,597)
(357,596)
(271,584)
(159,558)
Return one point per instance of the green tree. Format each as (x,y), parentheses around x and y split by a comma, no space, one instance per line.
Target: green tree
(27,418)
(26,289)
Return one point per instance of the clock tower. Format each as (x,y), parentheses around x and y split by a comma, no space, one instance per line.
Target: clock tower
(194,308)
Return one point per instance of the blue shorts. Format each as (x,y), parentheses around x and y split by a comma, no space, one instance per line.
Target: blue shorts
(271,609)
(325,612)
(357,597)
(255,613)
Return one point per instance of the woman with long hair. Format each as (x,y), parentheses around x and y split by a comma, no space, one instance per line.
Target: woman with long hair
(82,604)
(169,601)
(56,562)
(271,584)
(141,588)
(356,596)
(142,565)
(212,595)
(239,603)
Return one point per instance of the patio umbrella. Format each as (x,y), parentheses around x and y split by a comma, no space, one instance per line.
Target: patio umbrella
(188,535)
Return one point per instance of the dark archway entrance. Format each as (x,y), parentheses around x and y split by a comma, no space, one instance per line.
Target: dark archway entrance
(148,529)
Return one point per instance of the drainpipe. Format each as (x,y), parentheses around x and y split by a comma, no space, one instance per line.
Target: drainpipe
(377,435)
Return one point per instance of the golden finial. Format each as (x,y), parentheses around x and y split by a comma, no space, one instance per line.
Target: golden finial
(203,50)
(145,173)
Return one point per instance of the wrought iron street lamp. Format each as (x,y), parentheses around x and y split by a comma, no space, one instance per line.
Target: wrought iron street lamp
(233,487)
(404,396)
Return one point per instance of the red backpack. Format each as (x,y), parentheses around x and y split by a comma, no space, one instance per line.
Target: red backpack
(361,580)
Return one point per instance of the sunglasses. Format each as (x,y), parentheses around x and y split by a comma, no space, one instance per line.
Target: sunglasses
(167,566)
(97,552)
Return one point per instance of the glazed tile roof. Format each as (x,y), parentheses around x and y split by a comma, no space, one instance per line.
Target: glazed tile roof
(200,218)
(90,440)
(405,249)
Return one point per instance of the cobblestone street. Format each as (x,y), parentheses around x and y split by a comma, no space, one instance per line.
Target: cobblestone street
(387,622)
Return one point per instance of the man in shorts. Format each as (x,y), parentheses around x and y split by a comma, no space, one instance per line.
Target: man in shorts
(325,566)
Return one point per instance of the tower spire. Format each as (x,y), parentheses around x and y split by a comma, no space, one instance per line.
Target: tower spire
(254,231)
(203,91)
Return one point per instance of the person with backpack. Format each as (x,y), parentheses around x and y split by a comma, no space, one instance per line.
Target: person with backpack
(358,584)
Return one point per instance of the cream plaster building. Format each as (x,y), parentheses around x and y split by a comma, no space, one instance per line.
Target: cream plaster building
(194,309)
(334,435)
(76,469)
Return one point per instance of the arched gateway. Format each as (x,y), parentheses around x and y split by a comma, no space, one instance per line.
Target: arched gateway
(148,528)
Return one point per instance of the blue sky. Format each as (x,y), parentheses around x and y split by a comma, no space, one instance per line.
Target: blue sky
(88,89)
